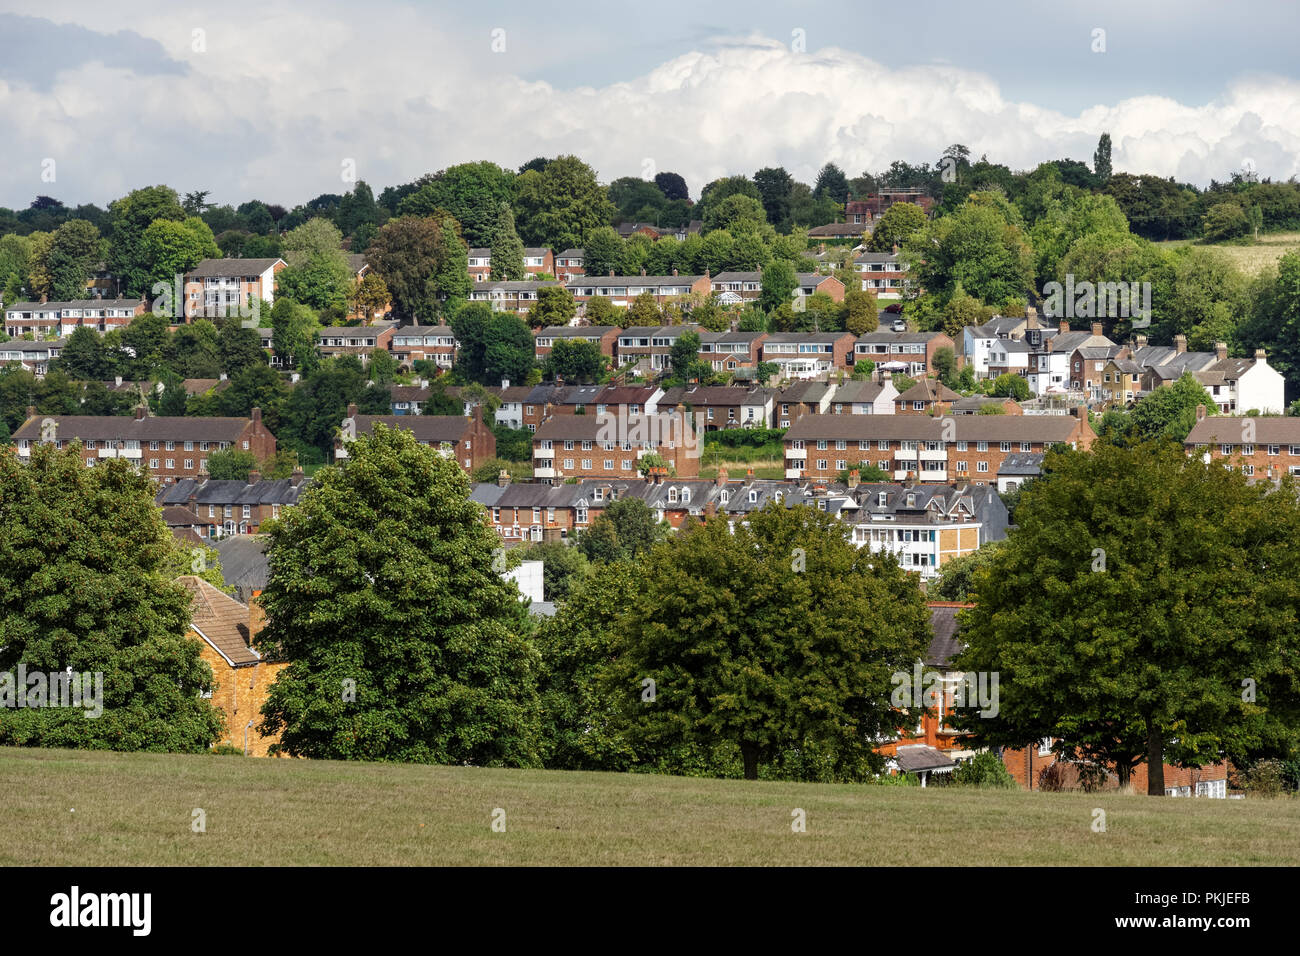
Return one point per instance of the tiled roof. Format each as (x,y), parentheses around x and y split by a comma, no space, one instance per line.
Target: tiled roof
(125,427)
(220,620)
(218,268)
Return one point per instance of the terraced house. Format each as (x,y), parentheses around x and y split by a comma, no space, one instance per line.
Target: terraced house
(623,290)
(358,340)
(947,448)
(1262,447)
(911,353)
(229,507)
(466,440)
(430,343)
(731,351)
(602,336)
(611,445)
(54,319)
(537,261)
(170,447)
(509,295)
(33,356)
(649,346)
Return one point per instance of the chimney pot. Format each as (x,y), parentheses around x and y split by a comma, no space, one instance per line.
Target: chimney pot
(1221,350)
(256,414)
(1259,355)
(1180,344)
(254,476)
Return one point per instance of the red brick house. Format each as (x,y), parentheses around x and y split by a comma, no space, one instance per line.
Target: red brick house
(171,448)
(465,439)
(215,286)
(602,335)
(929,448)
(925,397)
(569,264)
(612,445)
(222,507)
(432,343)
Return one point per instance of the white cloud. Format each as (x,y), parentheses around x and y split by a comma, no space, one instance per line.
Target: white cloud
(272,113)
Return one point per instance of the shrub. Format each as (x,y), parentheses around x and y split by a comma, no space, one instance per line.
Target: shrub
(983,770)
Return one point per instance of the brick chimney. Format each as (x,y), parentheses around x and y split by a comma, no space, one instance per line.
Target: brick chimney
(1064,327)
(140,411)
(674,272)
(749,476)
(1031,318)
(611,273)
(1141,341)
(256,415)
(31,411)
(643,270)
(722,477)
(254,476)
(297,476)
(503,478)
(1180,344)
(1220,350)
(1096,329)
(352,409)
(853,478)
(1200,413)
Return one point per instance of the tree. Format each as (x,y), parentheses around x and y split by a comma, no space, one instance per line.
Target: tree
(472,193)
(128,218)
(1101,159)
(507,251)
(575,361)
(604,252)
(1225,220)
(559,205)
(492,345)
(899,223)
(83,586)
(231,464)
(401,638)
(407,253)
(736,214)
(980,246)
(1169,412)
(672,186)
(780,635)
(863,313)
(774,187)
(644,311)
(1011,385)
(555,306)
(369,296)
(625,530)
(83,355)
(1156,583)
(601,311)
(196,203)
(956,574)
(74,252)
(779,283)
(945,364)
(174,248)
(318,274)
(831,184)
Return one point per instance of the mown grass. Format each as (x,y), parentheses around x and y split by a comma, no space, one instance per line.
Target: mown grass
(79,808)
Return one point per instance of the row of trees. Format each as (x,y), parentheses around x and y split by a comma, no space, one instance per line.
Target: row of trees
(1143,610)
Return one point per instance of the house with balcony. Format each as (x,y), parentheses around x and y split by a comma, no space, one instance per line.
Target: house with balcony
(612,445)
(622,291)
(170,447)
(357,340)
(934,449)
(882,273)
(430,343)
(217,287)
(43,320)
(725,406)
(509,296)
(569,265)
(35,357)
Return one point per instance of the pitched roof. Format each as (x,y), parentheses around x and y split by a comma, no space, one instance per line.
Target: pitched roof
(1034,428)
(928,390)
(425,428)
(126,427)
(215,268)
(220,620)
(944,644)
(1229,430)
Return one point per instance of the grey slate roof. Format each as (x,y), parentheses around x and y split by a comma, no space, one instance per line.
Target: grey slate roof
(216,268)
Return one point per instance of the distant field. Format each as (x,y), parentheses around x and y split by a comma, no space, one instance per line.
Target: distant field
(1254,258)
(76,808)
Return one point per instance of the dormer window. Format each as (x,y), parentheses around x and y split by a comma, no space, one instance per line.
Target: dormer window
(911,501)
(882,498)
(686,495)
(753,496)
(672,496)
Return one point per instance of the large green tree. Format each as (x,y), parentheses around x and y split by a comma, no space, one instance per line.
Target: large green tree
(557,206)
(83,585)
(128,218)
(777,636)
(1144,610)
(402,639)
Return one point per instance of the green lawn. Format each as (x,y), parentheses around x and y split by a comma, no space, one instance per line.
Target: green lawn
(1254,257)
(77,808)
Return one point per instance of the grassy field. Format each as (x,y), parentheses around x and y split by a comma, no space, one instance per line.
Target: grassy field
(1253,258)
(76,808)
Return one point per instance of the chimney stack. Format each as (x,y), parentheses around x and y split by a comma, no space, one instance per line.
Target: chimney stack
(256,414)
(1220,350)
(254,476)
(853,478)
(352,409)
(1096,329)
(749,476)
(117,380)
(1180,344)
(31,411)
(139,413)
(1200,413)
(1259,355)
(503,478)
(674,272)
(722,477)
(297,476)
(611,273)
(1064,327)
(1031,318)
(1141,341)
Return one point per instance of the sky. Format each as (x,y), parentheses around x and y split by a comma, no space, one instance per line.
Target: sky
(284,101)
